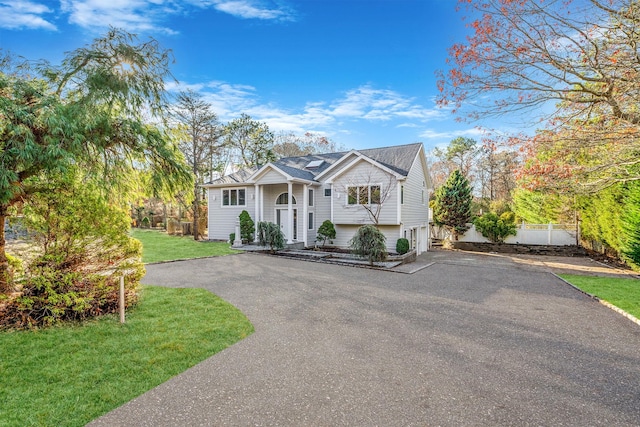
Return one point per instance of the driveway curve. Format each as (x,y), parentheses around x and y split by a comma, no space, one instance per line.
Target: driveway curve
(470,340)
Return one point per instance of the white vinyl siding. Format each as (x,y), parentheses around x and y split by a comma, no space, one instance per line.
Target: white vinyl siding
(222,219)
(414,211)
(365,175)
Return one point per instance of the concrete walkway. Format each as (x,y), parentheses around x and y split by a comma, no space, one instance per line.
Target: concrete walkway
(468,340)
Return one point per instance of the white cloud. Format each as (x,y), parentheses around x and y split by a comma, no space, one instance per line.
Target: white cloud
(472,132)
(149,15)
(369,103)
(24,14)
(132,15)
(251,9)
(364,105)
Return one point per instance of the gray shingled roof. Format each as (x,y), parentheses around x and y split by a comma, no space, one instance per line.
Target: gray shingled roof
(235,178)
(397,158)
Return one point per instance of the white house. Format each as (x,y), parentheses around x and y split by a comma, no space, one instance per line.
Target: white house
(387,186)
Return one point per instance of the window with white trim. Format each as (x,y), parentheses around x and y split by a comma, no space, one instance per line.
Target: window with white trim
(234,197)
(311,225)
(363,195)
(327,192)
(311,196)
(402,194)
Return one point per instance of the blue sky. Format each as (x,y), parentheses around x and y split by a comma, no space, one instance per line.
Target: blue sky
(361,72)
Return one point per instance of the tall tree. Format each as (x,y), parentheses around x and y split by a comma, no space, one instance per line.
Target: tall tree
(250,142)
(200,143)
(452,204)
(460,154)
(573,62)
(92,111)
(290,144)
(496,173)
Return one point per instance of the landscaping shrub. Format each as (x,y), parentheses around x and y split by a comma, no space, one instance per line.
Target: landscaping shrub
(269,234)
(326,231)
(496,228)
(402,246)
(247,227)
(173,225)
(232,237)
(82,249)
(369,242)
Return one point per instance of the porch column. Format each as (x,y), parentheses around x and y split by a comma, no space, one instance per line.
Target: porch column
(256,210)
(262,203)
(290,213)
(305,213)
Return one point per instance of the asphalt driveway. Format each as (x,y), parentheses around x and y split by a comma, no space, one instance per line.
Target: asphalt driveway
(469,340)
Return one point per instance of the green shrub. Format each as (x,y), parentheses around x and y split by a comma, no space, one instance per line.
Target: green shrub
(326,231)
(402,246)
(496,228)
(370,243)
(269,234)
(83,248)
(247,227)
(232,237)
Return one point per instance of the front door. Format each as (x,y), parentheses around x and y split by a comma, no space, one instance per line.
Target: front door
(281,220)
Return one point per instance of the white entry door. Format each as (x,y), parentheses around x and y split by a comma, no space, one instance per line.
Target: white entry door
(281,220)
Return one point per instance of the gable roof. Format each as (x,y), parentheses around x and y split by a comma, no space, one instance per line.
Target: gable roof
(397,158)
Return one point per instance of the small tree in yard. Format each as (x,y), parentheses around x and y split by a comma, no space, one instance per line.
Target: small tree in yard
(452,204)
(496,228)
(269,234)
(246,227)
(326,232)
(369,242)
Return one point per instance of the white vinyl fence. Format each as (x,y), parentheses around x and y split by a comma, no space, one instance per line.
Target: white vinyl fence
(532,234)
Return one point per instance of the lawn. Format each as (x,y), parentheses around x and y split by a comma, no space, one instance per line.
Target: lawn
(159,246)
(623,293)
(67,376)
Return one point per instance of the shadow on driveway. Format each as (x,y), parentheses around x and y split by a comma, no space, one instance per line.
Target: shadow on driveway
(469,340)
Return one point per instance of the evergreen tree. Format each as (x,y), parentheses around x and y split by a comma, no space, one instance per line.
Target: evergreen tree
(452,204)
(631,226)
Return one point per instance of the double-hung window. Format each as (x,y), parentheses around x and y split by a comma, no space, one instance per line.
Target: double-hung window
(234,197)
(363,195)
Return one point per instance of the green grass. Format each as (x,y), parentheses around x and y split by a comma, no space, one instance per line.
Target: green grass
(159,246)
(67,376)
(623,293)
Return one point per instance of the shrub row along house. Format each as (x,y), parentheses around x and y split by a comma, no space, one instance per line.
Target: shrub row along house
(386,186)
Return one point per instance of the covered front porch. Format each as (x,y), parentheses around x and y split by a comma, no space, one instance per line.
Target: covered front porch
(290,205)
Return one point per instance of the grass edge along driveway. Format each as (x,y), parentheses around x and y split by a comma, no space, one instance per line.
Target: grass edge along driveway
(70,375)
(622,292)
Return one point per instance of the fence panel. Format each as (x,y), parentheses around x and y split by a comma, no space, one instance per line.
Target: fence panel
(532,234)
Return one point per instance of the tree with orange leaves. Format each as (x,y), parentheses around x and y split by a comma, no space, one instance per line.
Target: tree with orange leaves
(574,65)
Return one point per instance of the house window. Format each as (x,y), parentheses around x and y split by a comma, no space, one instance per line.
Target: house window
(327,192)
(363,195)
(283,199)
(311,224)
(310,197)
(402,194)
(234,197)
